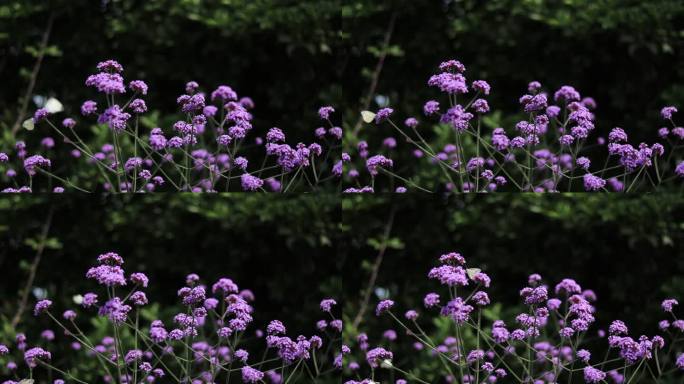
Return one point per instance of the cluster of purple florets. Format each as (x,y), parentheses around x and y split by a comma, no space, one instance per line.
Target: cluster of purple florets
(199,153)
(544,343)
(207,333)
(544,152)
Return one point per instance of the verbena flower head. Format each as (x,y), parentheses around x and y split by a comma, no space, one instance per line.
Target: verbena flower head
(377,356)
(180,157)
(383,306)
(42,307)
(34,355)
(554,353)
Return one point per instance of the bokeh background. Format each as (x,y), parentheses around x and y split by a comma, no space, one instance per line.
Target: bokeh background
(280,248)
(628,249)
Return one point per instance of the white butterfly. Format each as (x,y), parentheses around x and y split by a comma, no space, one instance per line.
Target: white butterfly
(51,104)
(367,116)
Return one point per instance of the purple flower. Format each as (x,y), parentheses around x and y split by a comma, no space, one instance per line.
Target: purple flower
(535,103)
(89,300)
(115,310)
(376,356)
(566,140)
(192,103)
(566,93)
(617,135)
(535,295)
(383,115)
(449,275)
(250,183)
(481,298)
(431,107)
(139,279)
(452,83)
(42,307)
(138,106)
(533,86)
(457,117)
(109,66)
(69,315)
(191,87)
(47,142)
(108,83)
(593,375)
(133,356)
(500,334)
(241,355)
(617,328)
(566,332)
(593,183)
(475,355)
(378,161)
(89,107)
(458,310)
(324,112)
(40,115)
(411,315)
(108,275)
(680,361)
(224,94)
(667,304)
(115,118)
(3,350)
(275,327)
(452,65)
(275,135)
(667,112)
(327,304)
(583,355)
(138,86)
(335,132)
(679,170)
(33,355)
(383,306)
(552,111)
(583,162)
(481,106)
(481,86)
(138,298)
(431,300)
(35,162)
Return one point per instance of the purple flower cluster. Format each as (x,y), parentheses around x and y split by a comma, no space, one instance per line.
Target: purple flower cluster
(205,151)
(545,151)
(208,333)
(545,342)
